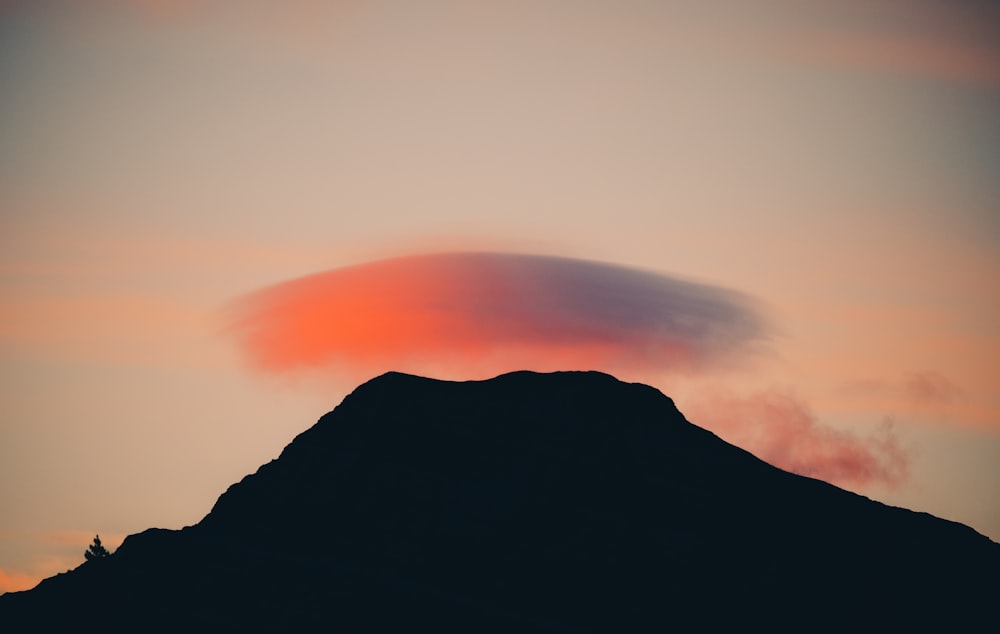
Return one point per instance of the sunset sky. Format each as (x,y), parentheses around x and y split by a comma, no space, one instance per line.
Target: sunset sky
(217,217)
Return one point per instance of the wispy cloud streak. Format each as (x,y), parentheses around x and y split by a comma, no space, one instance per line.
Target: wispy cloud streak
(782,430)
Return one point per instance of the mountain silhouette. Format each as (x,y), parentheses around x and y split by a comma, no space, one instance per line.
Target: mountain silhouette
(563,502)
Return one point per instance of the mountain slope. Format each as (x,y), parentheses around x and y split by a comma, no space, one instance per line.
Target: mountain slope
(565,502)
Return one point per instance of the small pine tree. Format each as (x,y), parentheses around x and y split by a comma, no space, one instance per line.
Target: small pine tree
(96,550)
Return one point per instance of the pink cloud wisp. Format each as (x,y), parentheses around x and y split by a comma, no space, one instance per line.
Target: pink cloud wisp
(781,430)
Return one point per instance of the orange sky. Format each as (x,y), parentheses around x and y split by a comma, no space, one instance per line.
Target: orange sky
(834,163)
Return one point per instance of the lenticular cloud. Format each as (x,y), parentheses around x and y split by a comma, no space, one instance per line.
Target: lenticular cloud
(479,314)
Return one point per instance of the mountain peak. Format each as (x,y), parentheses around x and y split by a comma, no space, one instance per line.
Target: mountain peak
(563,502)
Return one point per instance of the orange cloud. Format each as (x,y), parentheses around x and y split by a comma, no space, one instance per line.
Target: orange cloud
(481,314)
(781,430)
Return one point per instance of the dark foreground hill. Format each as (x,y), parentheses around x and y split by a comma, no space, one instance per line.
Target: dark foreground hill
(567,502)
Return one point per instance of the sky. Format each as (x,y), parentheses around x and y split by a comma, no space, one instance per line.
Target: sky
(783,214)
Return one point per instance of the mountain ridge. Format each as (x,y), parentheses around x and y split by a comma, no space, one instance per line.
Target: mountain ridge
(563,501)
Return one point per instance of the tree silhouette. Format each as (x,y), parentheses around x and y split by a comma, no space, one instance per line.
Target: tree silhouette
(96,550)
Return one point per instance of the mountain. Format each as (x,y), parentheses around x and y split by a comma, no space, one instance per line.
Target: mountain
(565,502)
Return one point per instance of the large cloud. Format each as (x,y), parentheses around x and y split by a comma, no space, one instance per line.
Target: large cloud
(477,314)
